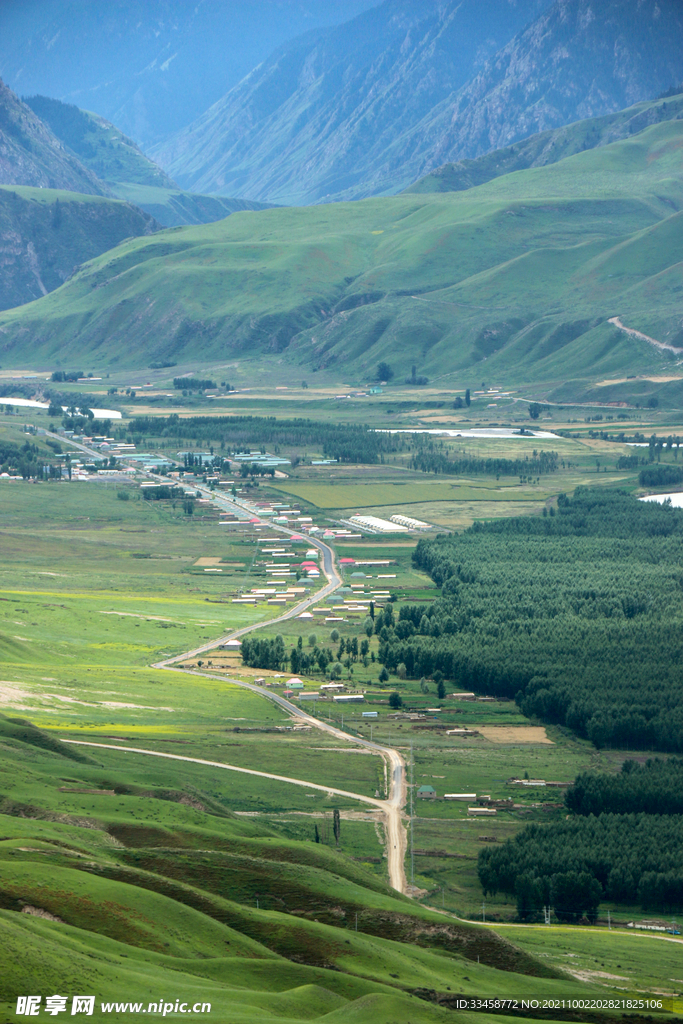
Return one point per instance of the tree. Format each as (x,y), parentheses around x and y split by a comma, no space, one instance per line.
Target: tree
(384,676)
(337,670)
(312,640)
(336,825)
(334,636)
(530,896)
(384,372)
(574,895)
(441,689)
(55,409)
(368,626)
(401,671)
(395,700)
(317,834)
(534,410)
(467,398)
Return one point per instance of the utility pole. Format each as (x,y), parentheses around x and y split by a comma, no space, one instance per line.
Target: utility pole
(483,913)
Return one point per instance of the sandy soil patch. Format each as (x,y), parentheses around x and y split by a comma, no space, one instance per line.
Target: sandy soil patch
(514,733)
(348,750)
(587,975)
(11,694)
(135,615)
(207,561)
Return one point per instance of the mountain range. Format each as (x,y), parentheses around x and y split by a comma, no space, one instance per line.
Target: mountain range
(368,107)
(150,67)
(54,160)
(520,277)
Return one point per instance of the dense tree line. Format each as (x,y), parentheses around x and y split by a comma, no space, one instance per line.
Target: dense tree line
(311,659)
(345,442)
(572,865)
(60,376)
(193,383)
(439,462)
(162,493)
(26,461)
(660,476)
(577,616)
(264,652)
(653,788)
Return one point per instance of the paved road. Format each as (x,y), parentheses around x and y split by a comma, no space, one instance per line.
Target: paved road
(391,808)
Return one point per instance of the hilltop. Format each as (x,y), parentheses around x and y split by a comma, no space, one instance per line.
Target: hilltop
(370,106)
(46,234)
(522,274)
(30,154)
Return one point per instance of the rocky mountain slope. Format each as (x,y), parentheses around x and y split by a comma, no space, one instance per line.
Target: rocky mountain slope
(371,106)
(150,67)
(45,235)
(521,277)
(30,154)
(324,115)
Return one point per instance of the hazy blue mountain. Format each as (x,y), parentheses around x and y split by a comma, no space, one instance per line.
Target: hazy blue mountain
(370,106)
(318,118)
(580,59)
(30,154)
(126,172)
(149,67)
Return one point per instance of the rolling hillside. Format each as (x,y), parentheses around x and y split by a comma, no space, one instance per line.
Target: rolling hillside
(153,894)
(46,234)
(517,276)
(368,107)
(551,146)
(30,154)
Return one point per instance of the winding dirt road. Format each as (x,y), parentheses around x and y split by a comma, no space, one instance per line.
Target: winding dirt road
(643,337)
(391,807)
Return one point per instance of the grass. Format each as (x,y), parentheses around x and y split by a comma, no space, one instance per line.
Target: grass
(522,272)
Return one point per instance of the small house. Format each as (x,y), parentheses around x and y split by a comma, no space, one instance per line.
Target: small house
(426,793)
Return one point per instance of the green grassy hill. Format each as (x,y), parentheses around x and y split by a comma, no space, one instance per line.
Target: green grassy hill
(549,147)
(518,276)
(157,891)
(45,234)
